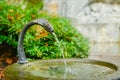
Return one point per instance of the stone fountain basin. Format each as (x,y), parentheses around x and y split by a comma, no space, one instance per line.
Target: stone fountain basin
(76,69)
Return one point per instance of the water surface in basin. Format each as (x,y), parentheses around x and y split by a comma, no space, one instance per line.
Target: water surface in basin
(73,70)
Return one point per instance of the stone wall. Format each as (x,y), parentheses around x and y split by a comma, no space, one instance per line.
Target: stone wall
(99,20)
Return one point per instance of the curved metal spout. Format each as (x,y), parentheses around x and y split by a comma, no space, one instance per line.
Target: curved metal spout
(42,22)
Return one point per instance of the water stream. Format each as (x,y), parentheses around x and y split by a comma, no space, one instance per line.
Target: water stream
(67,69)
(60,47)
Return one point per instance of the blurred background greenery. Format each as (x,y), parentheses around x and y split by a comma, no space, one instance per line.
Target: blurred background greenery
(39,44)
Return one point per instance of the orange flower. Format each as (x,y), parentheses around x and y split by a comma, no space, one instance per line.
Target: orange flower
(43,33)
(46,44)
(33,16)
(10,18)
(40,32)
(9,61)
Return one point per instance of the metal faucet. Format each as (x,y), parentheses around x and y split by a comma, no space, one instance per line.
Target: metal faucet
(42,22)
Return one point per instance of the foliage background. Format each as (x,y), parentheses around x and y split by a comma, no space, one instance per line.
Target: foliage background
(38,43)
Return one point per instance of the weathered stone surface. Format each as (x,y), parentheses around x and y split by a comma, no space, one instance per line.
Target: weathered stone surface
(100,13)
(99,20)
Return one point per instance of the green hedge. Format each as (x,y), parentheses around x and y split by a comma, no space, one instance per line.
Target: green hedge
(38,43)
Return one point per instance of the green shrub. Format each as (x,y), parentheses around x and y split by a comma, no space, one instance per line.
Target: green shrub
(38,43)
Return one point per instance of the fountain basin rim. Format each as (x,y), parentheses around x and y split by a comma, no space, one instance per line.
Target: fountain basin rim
(89,61)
